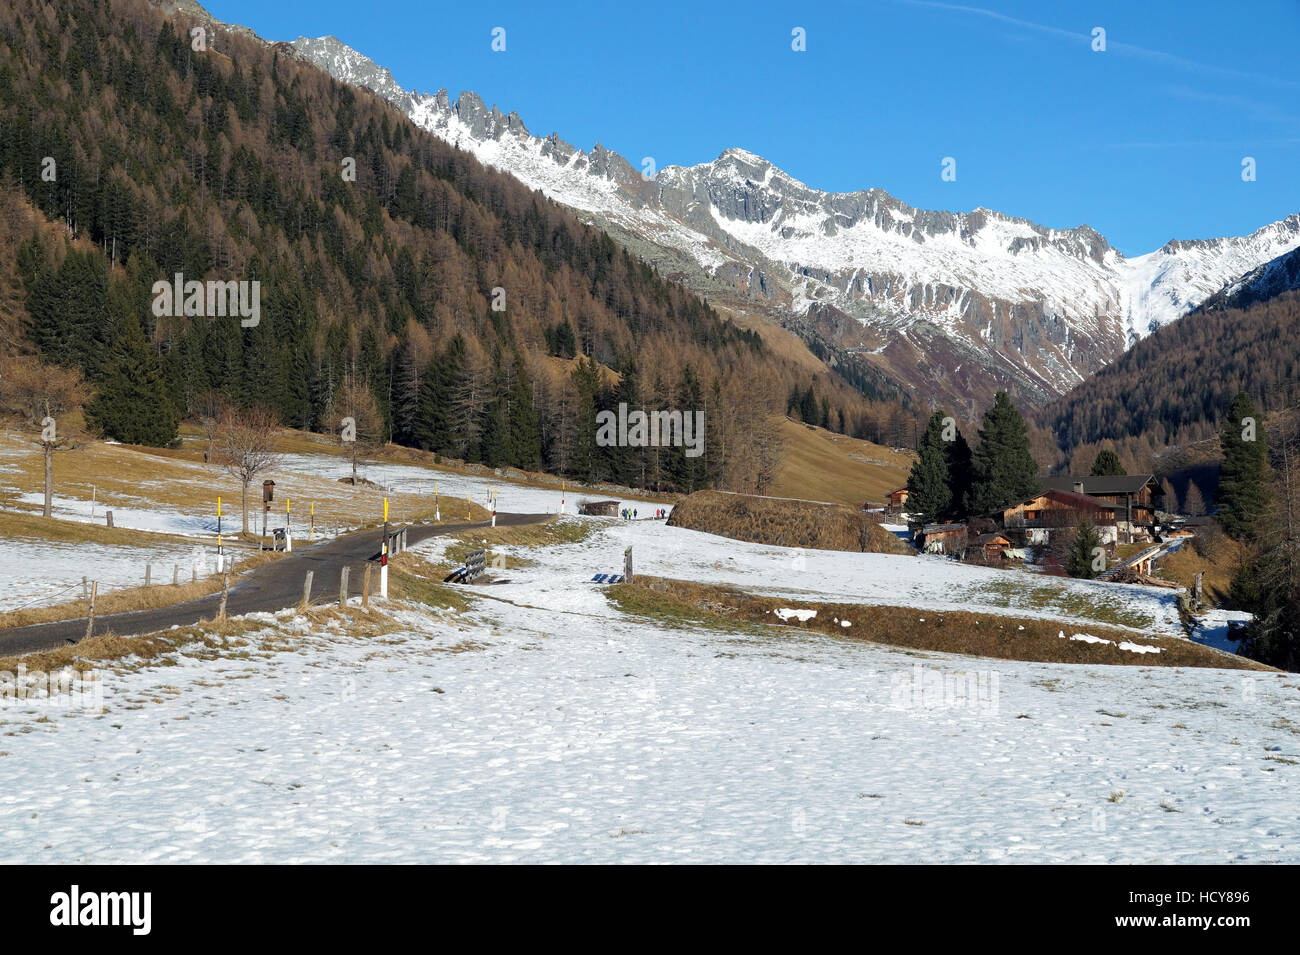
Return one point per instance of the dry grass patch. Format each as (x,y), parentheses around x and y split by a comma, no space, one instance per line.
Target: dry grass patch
(825,466)
(785,523)
(973,634)
(105,648)
(32,525)
(170,479)
(1220,560)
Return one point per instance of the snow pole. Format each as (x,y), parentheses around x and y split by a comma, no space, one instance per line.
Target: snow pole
(312,532)
(437,512)
(494,509)
(288,537)
(383,557)
(221,561)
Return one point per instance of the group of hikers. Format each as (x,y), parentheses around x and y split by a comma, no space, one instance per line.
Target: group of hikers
(629,513)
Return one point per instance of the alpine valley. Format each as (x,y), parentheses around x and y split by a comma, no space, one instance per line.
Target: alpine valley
(947,306)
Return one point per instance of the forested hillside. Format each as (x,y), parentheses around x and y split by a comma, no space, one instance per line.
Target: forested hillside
(438,289)
(1174,387)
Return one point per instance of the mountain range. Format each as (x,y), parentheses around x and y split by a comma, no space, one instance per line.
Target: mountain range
(949,306)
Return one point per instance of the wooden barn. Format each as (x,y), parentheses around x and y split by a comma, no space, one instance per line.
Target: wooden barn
(944,538)
(896,500)
(992,547)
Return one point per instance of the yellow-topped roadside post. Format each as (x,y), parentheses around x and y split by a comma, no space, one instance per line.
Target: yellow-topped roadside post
(221,560)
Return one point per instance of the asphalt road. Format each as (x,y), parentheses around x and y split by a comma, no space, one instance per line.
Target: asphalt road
(270,587)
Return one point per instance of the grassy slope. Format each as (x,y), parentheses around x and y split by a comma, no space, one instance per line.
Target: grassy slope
(822,466)
(784,523)
(684,604)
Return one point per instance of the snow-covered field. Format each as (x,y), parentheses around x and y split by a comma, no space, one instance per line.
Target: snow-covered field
(38,573)
(932,582)
(1212,628)
(544,725)
(452,487)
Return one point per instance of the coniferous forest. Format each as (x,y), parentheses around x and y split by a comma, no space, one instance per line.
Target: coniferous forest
(487,323)
(1174,387)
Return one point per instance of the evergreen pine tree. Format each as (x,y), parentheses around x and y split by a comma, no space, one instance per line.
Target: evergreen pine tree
(525,427)
(133,405)
(1107,464)
(1243,478)
(586,381)
(961,476)
(1079,563)
(929,492)
(1004,468)
(432,426)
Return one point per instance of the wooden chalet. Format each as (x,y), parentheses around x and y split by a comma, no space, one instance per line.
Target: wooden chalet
(1134,497)
(897,498)
(1053,511)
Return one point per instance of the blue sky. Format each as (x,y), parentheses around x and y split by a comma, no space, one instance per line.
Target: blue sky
(1144,141)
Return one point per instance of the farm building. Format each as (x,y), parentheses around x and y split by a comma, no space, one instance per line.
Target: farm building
(1056,511)
(599,508)
(896,500)
(993,547)
(944,538)
(1133,497)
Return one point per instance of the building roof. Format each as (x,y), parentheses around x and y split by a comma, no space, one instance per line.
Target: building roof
(1079,501)
(942,528)
(986,539)
(895,491)
(1105,484)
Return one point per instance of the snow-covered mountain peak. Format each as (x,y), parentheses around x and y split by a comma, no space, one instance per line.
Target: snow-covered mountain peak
(961,302)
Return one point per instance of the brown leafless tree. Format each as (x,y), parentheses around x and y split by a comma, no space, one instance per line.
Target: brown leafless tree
(246,446)
(44,399)
(209,408)
(354,417)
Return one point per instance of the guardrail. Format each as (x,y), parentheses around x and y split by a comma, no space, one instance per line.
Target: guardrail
(474,567)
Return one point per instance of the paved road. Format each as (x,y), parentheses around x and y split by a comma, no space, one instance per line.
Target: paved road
(270,587)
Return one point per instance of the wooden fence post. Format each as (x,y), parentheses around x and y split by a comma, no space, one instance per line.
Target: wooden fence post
(343,588)
(225,593)
(627,564)
(108,516)
(365,588)
(176,575)
(148,574)
(90,615)
(306,589)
